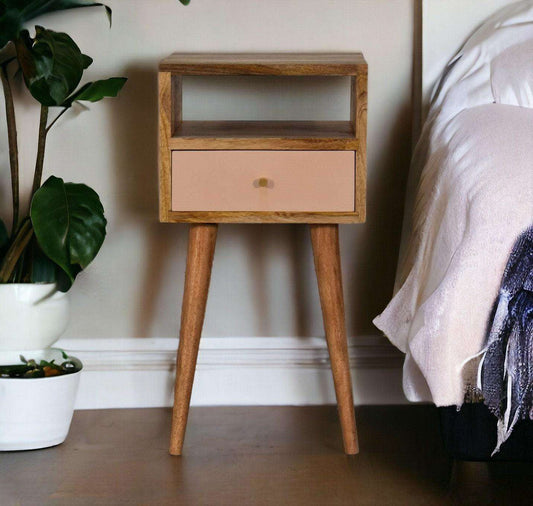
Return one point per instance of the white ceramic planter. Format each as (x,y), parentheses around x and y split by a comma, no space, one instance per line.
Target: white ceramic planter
(36,413)
(32,316)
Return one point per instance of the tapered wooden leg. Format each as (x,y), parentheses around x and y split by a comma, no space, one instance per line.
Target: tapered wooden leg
(325,240)
(202,240)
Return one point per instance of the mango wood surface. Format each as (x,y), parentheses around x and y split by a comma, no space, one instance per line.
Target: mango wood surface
(264,143)
(325,240)
(279,64)
(261,217)
(165,132)
(202,240)
(359,120)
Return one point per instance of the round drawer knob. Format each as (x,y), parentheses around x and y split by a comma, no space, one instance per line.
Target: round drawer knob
(263,182)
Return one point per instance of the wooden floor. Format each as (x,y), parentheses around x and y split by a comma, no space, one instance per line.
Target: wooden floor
(256,456)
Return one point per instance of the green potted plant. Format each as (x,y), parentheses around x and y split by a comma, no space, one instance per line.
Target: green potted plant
(47,245)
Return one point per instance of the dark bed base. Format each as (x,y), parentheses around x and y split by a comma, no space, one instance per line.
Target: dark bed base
(470,434)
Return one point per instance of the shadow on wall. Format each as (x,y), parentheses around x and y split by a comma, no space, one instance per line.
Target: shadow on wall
(295,243)
(374,276)
(386,200)
(136,150)
(135,139)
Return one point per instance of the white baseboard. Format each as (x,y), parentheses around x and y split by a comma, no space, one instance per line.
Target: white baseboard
(126,373)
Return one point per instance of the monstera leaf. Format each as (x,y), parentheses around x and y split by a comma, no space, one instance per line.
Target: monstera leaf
(15,13)
(52,65)
(69,224)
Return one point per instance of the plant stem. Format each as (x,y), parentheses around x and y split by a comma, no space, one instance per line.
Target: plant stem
(13,145)
(41,145)
(56,118)
(21,240)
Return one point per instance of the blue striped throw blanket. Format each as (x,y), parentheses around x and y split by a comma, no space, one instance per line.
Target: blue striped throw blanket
(505,375)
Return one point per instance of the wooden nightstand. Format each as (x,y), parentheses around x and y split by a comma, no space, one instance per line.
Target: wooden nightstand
(214,172)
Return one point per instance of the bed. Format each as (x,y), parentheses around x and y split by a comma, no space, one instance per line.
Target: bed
(469,212)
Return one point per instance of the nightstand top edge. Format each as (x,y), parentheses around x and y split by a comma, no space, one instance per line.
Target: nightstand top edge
(265,63)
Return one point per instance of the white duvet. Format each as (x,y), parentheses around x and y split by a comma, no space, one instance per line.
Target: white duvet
(473,170)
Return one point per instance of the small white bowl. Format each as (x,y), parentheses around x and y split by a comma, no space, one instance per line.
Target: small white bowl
(36,412)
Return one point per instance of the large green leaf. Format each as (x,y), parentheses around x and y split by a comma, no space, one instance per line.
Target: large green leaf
(69,224)
(97,90)
(15,13)
(52,65)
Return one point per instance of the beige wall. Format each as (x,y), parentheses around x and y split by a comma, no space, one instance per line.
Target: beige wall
(263,281)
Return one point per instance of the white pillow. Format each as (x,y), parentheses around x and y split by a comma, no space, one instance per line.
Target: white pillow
(512,75)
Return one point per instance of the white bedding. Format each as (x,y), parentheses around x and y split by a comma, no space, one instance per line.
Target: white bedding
(473,174)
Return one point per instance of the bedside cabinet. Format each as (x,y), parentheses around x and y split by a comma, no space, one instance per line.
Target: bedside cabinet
(213,172)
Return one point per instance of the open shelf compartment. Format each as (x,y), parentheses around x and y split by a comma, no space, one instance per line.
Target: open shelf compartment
(264,134)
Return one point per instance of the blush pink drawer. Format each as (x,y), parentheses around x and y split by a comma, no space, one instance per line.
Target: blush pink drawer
(292,181)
